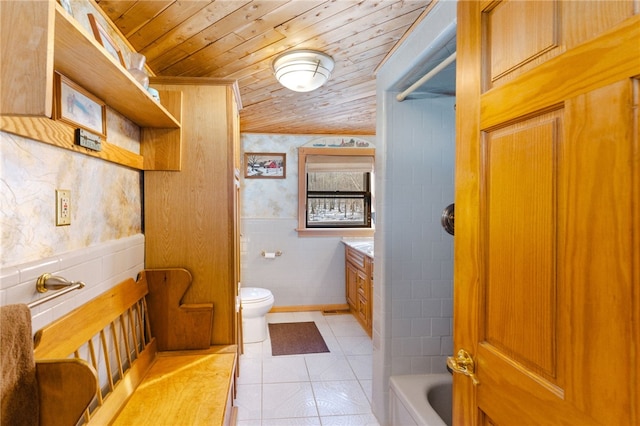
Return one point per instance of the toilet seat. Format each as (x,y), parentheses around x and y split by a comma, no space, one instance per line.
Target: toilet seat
(250,295)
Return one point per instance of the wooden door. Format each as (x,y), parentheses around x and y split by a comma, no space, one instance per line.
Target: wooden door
(547,244)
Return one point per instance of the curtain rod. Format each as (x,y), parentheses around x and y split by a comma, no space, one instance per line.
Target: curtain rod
(428,76)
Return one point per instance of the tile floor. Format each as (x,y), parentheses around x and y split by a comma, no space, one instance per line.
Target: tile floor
(331,388)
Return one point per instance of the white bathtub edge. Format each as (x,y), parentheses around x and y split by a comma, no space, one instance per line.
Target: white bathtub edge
(412,392)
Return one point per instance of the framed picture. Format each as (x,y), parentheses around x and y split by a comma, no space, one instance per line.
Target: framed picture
(265,165)
(105,40)
(75,106)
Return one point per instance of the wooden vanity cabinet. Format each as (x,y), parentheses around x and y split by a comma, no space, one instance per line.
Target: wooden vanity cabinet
(191,216)
(359,283)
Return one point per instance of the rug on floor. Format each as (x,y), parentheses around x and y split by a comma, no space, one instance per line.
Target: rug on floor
(294,338)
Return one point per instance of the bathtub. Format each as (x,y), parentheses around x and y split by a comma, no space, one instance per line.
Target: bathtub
(420,400)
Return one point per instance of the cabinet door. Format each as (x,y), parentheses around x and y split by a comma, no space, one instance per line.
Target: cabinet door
(362,312)
(364,300)
(352,284)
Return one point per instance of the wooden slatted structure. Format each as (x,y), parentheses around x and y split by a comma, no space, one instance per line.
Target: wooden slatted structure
(123,342)
(137,384)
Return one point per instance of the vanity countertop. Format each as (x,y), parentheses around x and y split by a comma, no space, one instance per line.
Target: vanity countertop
(363,245)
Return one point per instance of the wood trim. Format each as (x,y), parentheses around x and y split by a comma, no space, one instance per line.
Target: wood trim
(335,232)
(468,157)
(337,151)
(162,148)
(406,35)
(199,81)
(620,49)
(59,134)
(215,349)
(309,308)
(635,259)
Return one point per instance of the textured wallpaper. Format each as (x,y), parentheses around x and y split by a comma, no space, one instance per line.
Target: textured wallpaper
(272,198)
(105,197)
(105,200)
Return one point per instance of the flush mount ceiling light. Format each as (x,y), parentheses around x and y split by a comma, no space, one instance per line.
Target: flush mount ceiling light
(302,70)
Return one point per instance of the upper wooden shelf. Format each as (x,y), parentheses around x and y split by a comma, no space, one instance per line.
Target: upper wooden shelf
(38,38)
(81,58)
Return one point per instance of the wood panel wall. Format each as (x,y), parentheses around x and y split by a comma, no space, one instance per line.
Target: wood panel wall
(189,215)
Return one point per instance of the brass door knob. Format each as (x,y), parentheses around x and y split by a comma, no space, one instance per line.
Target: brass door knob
(463,363)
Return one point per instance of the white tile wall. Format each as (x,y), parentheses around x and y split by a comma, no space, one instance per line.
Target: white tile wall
(421,178)
(414,256)
(414,289)
(100,267)
(310,271)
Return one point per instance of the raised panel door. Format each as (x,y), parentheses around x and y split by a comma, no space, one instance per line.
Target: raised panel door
(547,261)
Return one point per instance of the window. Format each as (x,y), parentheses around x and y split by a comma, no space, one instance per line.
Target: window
(335,191)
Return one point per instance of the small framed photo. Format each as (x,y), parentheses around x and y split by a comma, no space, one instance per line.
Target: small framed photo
(105,40)
(79,108)
(265,165)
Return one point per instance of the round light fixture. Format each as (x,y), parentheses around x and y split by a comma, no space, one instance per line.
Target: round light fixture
(302,70)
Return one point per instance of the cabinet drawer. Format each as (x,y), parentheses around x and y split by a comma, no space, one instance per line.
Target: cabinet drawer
(355,257)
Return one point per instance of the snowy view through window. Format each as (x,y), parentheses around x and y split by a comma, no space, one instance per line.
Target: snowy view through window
(338,199)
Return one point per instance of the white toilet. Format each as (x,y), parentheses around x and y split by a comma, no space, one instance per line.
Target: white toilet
(256,302)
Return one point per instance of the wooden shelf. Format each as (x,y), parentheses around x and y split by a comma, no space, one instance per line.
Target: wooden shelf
(38,38)
(81,58)
(61,135)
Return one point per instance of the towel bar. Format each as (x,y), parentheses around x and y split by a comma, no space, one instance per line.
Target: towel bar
(48,282)
(51,282)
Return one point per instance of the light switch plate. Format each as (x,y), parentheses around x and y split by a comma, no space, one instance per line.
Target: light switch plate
(63,207)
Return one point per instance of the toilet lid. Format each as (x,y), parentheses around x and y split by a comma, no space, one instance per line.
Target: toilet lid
(254,294)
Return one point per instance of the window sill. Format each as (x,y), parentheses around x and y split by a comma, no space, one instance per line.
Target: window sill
(335,232)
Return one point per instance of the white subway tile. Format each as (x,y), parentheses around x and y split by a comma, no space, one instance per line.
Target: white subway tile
(32,270)
(441,327)
(421,327)
(9,277)
(125,258)
(431,345)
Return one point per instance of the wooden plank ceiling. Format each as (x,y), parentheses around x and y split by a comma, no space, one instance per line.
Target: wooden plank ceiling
(238,39)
